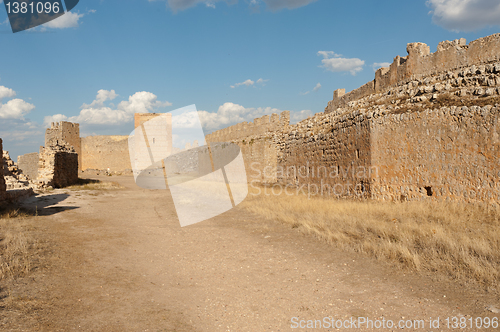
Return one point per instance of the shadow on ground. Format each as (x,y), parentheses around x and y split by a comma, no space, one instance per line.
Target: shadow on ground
(43,205)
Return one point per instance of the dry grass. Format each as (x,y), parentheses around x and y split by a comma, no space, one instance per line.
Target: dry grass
(88,184)
(459,240)
(16,244)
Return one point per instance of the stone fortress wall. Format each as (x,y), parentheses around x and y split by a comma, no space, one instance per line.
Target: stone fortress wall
(427,127)
(258,143)
(420,63)
(103,152)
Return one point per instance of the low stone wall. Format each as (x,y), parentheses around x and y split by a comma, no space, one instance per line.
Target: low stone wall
(103,152)
(28,164)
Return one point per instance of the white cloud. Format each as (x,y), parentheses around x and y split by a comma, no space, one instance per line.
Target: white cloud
(96,113)
(335,63)
(142,102)
(102,96)
(54,118)
(465,15)
(15,109)
(378,65)
(6,92)
(68,20)
(249,82)
(316,88)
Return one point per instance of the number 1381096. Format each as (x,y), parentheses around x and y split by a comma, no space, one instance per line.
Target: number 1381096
(32,7)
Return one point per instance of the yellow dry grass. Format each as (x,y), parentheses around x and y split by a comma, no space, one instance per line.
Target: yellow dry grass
(459,240)
(16,244)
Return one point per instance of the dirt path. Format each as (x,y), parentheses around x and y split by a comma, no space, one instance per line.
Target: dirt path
(120,261)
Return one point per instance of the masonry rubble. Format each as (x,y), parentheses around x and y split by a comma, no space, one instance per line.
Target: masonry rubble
(14,178)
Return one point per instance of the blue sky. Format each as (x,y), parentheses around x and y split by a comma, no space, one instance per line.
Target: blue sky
(235,60)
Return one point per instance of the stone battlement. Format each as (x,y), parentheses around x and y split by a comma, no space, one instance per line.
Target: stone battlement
(419,63)
(260,126)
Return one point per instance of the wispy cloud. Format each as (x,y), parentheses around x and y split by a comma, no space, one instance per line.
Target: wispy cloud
(316,88)
(249,82)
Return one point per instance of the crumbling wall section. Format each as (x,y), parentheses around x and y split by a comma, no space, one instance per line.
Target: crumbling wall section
(28,164)
(419,63)
(328,155)
(259,142)
(58,166)
(103,152)
(64,131)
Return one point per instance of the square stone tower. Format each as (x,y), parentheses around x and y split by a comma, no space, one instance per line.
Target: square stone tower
(68,132)
(141,118)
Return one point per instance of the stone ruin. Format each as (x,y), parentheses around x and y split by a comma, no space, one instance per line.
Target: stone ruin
(57,166)
(427,127)
(14,179)
(13,185)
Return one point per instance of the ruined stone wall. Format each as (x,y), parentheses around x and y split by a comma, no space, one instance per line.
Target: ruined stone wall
(428,127)
(328,155)
(451,153)
(260,127)
(67,132)
(259,142)
(103,152)
(58,166)
(28,164)
(3,188)
(420,63)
